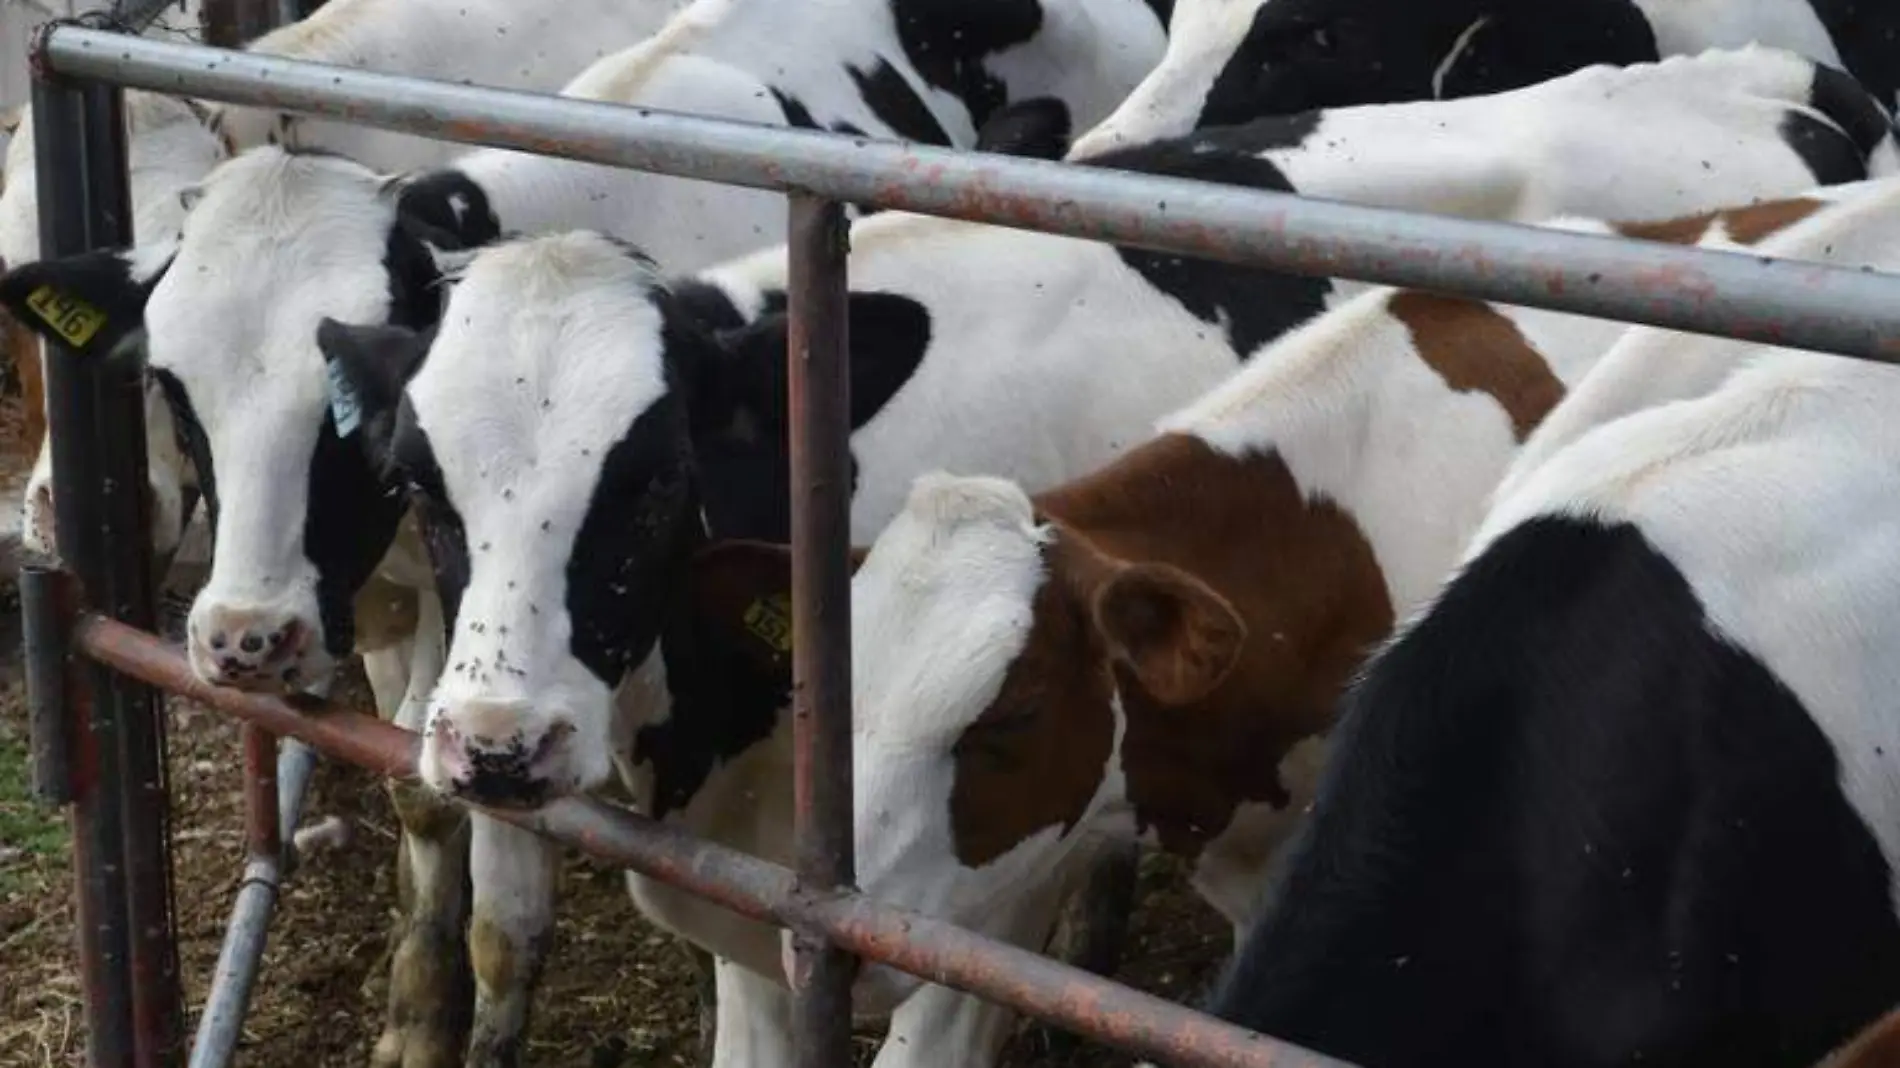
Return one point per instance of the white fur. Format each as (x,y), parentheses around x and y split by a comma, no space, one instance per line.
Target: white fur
(1205,34)
(1648,366)
(1774,496)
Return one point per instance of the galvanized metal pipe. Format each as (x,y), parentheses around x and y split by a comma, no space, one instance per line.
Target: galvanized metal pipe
(933,949)
(272,802)
(1831,309)
(819,398)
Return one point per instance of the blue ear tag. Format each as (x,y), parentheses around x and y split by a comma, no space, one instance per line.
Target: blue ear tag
(345,408)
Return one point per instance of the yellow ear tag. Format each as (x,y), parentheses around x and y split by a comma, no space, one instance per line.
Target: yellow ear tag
(72,319)
(770,620)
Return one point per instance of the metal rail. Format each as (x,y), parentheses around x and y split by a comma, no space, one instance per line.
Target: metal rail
(1829,309)
(1803,304)
(929,948)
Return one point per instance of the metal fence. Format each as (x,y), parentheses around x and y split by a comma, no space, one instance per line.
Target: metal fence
(94,667)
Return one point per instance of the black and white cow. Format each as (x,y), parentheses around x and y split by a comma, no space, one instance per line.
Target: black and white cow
(1626,792)
(1231,61)
(648,417)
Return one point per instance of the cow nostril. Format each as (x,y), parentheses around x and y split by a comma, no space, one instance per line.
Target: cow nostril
(231,665)
(251,643)
(276,638)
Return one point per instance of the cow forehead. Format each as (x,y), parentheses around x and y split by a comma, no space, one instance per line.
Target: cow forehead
(549,350)
(275,243)
(943,605)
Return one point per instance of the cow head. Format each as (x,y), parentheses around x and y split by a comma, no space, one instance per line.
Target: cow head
(544,435)
(1230,61)
(273,243)
(170,147)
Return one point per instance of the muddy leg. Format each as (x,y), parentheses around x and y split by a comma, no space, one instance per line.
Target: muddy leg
(513,874)
(707,987)
(430,985)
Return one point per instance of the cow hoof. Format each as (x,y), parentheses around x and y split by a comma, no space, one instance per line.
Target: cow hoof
(415,1047)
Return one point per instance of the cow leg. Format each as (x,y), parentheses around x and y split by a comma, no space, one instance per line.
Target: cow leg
(430,986)
(513,873)
(1092,928)
(706,983)
(754,1019)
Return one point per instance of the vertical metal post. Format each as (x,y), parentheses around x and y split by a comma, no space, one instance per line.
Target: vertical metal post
(102,512)
(820,404)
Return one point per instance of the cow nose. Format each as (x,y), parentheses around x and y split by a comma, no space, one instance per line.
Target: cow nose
(249,644)
(500,754)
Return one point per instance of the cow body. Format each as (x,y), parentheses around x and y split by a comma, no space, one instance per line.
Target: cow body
(1232,61)
(1026,669)
(928,341)
(1655,817)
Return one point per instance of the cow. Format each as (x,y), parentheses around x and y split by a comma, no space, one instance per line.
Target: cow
(1623,792)
(303,520)
(1876,1046)
(1205,320)
(504,43)
(1232,61)
(1153,651)
(876,80)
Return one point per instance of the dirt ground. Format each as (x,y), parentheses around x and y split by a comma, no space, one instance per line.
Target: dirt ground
(617,993)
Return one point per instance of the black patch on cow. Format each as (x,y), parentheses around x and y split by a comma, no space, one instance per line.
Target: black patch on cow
(445,208)
(1848,103)
(415,282)
(946,42)
(1302,54)
(707,304)
(897,105)
(1866,33)
(1564,823)
(87,303)
(412,460)
(1829,154)
(796,113)
(192,441)
(740,427)
(1252,305)
(1164,11)
(1036,128)
(641,522)
(349,524)
(725,699)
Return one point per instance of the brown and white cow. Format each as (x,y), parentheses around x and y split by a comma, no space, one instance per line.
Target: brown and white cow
(1124,654)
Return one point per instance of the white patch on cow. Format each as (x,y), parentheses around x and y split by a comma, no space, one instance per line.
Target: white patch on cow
(1541,151)
(1457,52)
(1649,365)
(277,243)
(549,349)
(1774,496)
(1683,28)
(1202,39)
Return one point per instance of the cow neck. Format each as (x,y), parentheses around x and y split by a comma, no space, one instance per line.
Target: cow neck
(1301,575)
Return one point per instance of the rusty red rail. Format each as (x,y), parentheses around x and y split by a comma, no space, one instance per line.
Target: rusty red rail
(931,949)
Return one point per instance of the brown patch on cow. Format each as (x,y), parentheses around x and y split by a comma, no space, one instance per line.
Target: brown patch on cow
(1036,755)
(492,954)
(424,813)
(1876,1046)
(1297,575)
(1477,349)
(1744,226)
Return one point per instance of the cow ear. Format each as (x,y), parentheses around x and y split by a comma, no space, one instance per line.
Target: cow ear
(1036,128)
(1179,637)
(742,589)
(447,211)
(92,303)
(368,366)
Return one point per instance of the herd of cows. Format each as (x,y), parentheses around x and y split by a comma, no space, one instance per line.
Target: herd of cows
(1513,681)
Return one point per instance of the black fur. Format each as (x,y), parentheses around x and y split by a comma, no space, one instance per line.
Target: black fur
(1252,305)
(1867,35)
(72,291)
(1036,128)
(1836,150)
(897,105)
(947,41)
(1303,54)
(1565,824)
